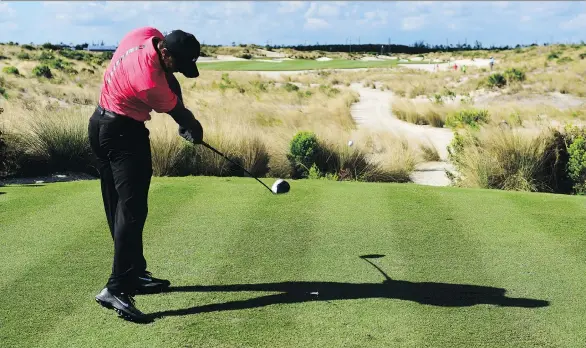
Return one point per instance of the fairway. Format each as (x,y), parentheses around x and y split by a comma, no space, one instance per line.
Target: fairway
(291,65)
(457,267)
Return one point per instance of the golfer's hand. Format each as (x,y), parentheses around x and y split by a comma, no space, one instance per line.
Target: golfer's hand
(194,134)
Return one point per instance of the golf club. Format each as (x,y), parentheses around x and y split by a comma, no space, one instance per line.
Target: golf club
(280,186)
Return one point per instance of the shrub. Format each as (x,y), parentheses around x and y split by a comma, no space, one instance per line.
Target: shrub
(514,75)
(45,56)
(75,55)
(303,152)
(289,87)
(508,160)
(227,83)
(582,55)
(42,71)
(470,117)
(50,46)
(496,80)
(23,56)
(577,164)
(261,86)
(244,55)
(10,70)
(28,47)
(329,90)
(54,144)
(564,60)
(553,56)
(3,156)
(106,56)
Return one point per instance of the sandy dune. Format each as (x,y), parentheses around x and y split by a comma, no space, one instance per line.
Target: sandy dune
(482,63)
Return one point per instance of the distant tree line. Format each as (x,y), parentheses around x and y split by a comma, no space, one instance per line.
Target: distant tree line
(419,47)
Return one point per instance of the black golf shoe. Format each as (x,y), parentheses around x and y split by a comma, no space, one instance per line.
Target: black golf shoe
(123,304)
(147,284)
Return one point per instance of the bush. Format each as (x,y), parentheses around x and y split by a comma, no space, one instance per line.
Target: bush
(329,90)
(42,71)
(106,56)
(244,55)
(577,164)
(28,47)
(303,152)
(75,55)
(23,56)
(3,88)
(11,70)
(50,46)
(289,87)
(514,75)
(470,117)
(509,161)
(582,55)
(62,140)
(565,60)
(45,56)
(496,80)
(227,83)
(553,56)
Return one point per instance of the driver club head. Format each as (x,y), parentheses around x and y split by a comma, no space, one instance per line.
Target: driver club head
(280,186)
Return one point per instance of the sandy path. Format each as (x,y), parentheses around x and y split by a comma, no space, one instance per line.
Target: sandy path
(374,111)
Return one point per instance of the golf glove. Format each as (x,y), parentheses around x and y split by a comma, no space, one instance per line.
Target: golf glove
(194,134)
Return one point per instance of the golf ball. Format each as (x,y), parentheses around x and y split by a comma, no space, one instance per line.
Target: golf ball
(350,143)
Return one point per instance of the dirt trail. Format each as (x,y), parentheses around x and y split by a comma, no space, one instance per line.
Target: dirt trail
(374,111)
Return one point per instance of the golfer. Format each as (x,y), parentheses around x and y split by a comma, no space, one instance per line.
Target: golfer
(139,79)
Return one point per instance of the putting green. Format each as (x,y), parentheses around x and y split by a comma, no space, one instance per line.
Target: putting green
(465,268)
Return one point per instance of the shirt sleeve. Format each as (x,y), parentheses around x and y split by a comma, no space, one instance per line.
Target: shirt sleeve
(159,98)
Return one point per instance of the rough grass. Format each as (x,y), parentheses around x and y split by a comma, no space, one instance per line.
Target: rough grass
(244,265)
(246,116)
(506,159)
(298,64)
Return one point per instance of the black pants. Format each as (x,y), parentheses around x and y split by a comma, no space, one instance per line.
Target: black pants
(122,147)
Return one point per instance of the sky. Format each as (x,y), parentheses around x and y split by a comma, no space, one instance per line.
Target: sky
(299,22)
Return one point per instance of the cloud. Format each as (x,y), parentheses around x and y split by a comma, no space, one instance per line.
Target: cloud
(374,18)
(6,12)
(525,18)
(290,6)
(578,22)
(501,4)
(315,24)
(413,23)
(322,10)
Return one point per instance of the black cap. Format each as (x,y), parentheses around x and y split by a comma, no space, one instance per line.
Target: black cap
(185,48)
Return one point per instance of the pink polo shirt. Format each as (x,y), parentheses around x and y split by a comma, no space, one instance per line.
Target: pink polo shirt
(134,82)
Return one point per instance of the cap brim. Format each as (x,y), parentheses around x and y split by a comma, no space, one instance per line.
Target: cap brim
(188,69)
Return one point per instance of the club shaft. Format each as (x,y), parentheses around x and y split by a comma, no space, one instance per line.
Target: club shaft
(229,160)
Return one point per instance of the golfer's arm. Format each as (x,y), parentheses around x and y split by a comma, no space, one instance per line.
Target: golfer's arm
(183,116)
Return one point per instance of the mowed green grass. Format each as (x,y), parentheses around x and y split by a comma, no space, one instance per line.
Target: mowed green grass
(291,65)
(245,262)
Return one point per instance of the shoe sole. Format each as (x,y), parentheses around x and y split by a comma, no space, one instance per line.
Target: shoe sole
(121,314)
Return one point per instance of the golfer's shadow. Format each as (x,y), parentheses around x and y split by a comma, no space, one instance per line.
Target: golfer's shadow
(427,293)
